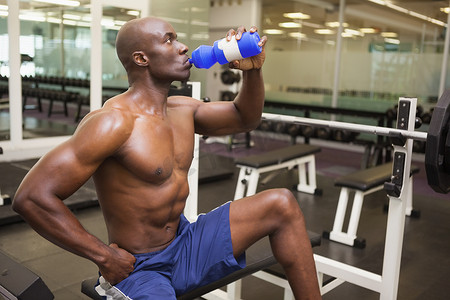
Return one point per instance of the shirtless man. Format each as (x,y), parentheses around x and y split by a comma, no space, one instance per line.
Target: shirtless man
(139,148)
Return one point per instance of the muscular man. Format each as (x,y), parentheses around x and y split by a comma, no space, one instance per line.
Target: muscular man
(139,148)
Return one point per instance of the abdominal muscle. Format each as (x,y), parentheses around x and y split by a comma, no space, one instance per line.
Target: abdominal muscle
(142,217)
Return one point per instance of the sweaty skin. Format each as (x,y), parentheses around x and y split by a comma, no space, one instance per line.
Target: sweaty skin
(138,148)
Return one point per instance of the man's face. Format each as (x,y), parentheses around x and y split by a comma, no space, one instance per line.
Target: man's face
(167,56)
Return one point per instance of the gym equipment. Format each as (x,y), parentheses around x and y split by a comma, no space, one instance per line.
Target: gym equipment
(19,283)
(302,156)
(362,183)
(437,160)
(387,283)
(437,153)
(229,77)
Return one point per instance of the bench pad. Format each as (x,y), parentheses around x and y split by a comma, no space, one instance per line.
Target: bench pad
(277,156)
(369,178)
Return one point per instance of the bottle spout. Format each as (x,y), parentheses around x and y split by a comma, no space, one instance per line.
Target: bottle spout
(203,57)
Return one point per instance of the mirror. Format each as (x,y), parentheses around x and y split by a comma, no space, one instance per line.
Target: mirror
(55,50)
(114,77)
(4,73)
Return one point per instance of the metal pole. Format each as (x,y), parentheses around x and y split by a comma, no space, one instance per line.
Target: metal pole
(61,36)
(445,58)
(15,80)
(337,63)
(353,127)
(96,56)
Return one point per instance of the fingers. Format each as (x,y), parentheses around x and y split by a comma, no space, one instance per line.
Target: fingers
(262,42)
(239,31)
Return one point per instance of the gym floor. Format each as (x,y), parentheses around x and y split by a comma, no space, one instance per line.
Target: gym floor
(425,268)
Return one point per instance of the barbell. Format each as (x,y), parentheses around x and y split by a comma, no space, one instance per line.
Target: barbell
(437,152)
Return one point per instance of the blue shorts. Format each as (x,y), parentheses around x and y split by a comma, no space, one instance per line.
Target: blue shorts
(201,253)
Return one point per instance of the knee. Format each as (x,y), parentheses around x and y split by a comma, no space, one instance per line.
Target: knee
(285,205)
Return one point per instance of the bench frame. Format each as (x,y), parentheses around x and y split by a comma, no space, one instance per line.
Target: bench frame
(350,238)
(249,176)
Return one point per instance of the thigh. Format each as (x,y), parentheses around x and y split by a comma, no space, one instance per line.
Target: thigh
(146,285)
(254,217)
(207,252)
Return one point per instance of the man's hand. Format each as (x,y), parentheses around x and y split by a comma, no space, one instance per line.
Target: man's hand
(118,266)
(254,62)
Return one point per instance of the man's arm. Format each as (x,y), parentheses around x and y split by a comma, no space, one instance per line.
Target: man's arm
(59,174)
(244,113)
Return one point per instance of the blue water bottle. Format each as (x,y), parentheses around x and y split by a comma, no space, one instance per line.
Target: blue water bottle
(224,51)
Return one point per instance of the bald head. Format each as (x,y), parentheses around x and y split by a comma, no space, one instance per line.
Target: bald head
(135,35)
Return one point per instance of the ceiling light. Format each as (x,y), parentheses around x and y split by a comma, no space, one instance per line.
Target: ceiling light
(368,30)
(3,13)
(69,22)
(297,35)
(335,24)
(5,7)
(437,22)
(389,34)
(324,31)
(84,24)
(392,41)
(290,25)
(60,2)
(72,17)
(119,23)
(445,9)
(312,25)
(53,20)
(30,17)
(133,13)
(397,8)
(353,32)
(381,2)
(296,15)
(273,31)
(107,22)
(408,12)
(346,35)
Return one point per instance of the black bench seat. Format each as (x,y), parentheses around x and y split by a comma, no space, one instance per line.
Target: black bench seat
(259,257)
(300,156)
(277,156)
(367,179)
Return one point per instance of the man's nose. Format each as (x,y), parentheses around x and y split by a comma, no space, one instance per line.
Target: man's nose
(183,48)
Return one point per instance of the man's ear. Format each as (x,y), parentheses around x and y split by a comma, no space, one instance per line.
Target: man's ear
(140,58)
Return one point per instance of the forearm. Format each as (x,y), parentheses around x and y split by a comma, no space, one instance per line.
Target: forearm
(54,221)
(250,100)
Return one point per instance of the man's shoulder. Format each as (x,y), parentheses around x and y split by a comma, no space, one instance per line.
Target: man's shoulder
(108,120)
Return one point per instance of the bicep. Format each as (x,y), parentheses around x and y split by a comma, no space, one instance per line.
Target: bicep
(217,118)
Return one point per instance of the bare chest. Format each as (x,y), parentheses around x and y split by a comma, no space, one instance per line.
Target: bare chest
(158,148)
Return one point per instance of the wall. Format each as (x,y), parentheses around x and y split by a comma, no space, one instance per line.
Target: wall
(221,19)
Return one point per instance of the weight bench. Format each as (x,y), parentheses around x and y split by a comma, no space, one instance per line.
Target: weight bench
(259,257)
(300,155)
(362,183)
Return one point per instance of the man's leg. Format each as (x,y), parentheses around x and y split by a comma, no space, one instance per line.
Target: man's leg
(277,214)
